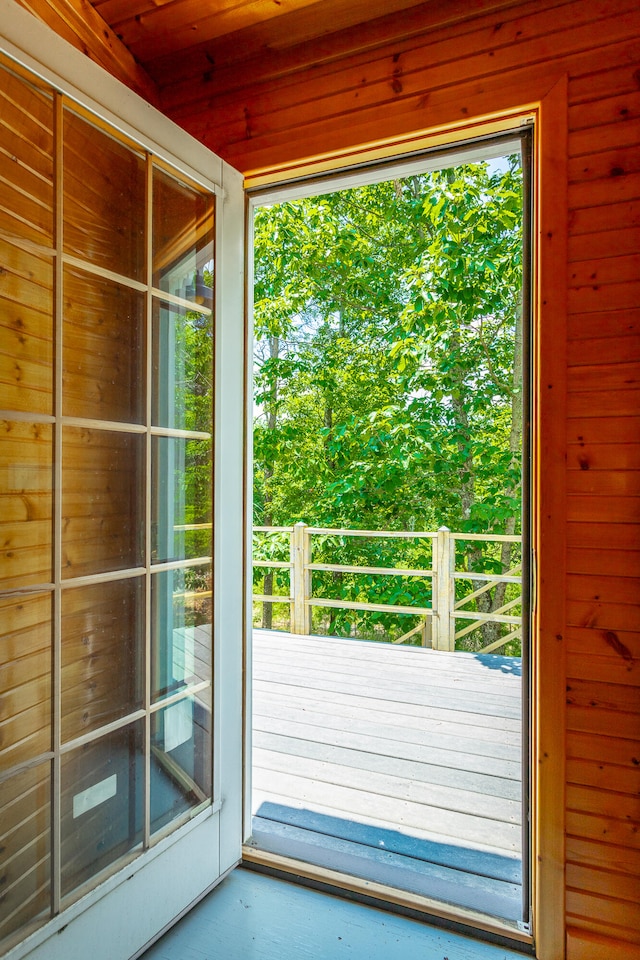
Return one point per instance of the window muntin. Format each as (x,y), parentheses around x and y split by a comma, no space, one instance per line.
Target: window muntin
(101,177)
(26,503)
(182,239)
(104,345)
(182,343)
(26,329)
(181,615)
(102,766)
(26,160)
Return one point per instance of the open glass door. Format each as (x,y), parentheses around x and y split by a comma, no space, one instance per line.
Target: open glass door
(121,341)
(391,602)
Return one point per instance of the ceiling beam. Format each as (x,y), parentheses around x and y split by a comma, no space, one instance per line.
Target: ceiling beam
(77,22)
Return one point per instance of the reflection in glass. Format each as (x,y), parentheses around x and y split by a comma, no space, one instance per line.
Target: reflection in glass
(182,239)
(181,611)
(182,368)
(102,654)
(102,501)
(25,867)
(103,349)
(25,678)
(102,803)
(181,486)
(180,759)
(26,330)
(26,160)
(26,476)
(104,199)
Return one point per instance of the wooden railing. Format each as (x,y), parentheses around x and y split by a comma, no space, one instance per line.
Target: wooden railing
(438,621)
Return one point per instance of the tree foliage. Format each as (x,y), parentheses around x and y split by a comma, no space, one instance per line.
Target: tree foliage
(387,367)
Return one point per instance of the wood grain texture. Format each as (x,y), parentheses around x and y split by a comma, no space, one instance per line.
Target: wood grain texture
(296,113)
(400,765)
(251,915)
(276,100)
(78,22)
(25,847)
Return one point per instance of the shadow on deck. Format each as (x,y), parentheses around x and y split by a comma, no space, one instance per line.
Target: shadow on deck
(397,764)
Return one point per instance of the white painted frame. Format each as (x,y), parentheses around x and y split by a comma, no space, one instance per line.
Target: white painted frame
(119,918)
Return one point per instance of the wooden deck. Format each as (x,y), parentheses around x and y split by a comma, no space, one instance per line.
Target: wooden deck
(398,764)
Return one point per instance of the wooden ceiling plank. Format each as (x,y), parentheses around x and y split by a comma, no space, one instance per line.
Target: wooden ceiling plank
(247,58)
(175,29)
(125,14)
(368,80)
(116,11)
(177,25)
(81,25)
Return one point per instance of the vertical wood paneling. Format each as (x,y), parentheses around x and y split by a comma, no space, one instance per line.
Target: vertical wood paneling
(603,775)
(318,107)
(266,106)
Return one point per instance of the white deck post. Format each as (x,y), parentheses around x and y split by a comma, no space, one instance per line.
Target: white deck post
(300,579)
(445,592)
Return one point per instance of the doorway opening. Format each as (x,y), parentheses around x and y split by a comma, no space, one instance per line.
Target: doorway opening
(390,690)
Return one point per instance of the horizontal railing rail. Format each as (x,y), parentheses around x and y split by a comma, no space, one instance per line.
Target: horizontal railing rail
(438,623)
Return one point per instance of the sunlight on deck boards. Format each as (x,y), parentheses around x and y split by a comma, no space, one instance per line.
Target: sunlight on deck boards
(399,764)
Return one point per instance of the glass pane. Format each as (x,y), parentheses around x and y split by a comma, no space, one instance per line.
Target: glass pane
(181,612)
(102,501)
(182,368)
(181,498)
(102,654)
(25,503)
(25,678)
(26,160)
(25,844)
(104,199)
(181,762)
(26,331)
(103,349)
(102,803)
(182,239)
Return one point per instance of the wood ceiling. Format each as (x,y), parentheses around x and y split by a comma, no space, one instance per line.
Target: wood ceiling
(239,73)
(167,36)
(233,43)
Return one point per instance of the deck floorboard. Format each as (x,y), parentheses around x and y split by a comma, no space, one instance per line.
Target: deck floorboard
(400,764)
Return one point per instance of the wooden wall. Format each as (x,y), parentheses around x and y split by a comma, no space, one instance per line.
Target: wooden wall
(261,108)
(407,73)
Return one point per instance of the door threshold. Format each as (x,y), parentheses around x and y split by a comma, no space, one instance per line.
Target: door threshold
(470,922)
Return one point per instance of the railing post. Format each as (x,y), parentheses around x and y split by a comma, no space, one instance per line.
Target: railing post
(300,579)
(445,592)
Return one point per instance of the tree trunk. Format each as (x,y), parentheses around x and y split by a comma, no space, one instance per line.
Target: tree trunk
(495,598)
(272,420)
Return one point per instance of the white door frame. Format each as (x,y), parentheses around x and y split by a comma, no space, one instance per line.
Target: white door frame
(117,919)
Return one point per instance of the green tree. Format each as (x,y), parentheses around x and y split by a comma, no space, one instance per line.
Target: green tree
(393,398)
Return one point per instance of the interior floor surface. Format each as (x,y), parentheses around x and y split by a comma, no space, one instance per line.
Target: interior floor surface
(250,916)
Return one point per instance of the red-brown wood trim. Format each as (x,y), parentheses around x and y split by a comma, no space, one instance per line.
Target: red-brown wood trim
(549,534)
